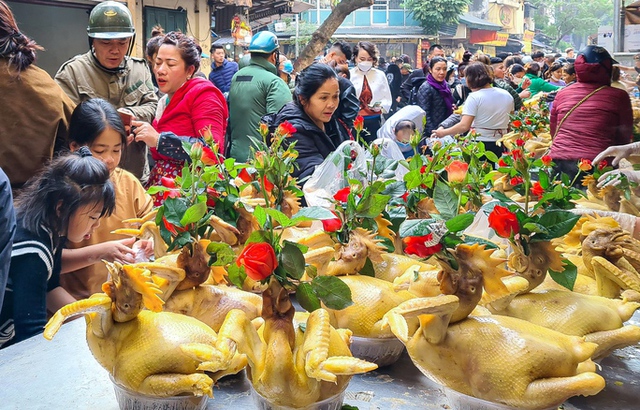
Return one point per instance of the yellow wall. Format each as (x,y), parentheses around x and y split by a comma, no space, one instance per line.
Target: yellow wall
(198,24)
(509,14)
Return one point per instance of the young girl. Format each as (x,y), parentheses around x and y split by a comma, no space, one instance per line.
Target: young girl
(63,203)
(96,124)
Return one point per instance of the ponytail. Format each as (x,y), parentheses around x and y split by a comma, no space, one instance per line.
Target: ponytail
(19,49)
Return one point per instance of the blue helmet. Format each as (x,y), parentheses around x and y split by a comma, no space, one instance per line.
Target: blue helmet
(263,42)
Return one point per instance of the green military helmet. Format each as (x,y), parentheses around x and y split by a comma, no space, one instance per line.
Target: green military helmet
(264,42)
(110,20)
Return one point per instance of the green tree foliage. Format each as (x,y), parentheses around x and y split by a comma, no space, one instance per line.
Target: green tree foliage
(559,18)
(434,13)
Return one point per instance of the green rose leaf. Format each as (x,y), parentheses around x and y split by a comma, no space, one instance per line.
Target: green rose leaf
(194,213)
(257,236)
(491,156)
(260,215)
(367,269)
(372,206)
(445,200)
(332,291)
(279,217)
(535,228)
(229,163)
(543,178)
(180,241)
(311,271)
(307,298)
(558,223)
(221,254)
(155,189)
(460,222)
(413,179)
(415,227)
(174,209)
(468,239)
(567,277)
(237,275)
(313,212)
(395,189)
(292,260)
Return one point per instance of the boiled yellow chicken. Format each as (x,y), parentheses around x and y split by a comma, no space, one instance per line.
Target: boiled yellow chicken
(372,299)
(288,366)
(496,358)
(614,258)
(534,266)
(210,304)
(600,320)
(152,352)
(393,266)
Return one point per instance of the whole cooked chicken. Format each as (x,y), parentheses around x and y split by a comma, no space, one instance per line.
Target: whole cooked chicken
(600,320)
(290,366)
(496,358)
(148,351)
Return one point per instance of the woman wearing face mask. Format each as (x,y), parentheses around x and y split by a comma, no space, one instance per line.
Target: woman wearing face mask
(434,95)
(554,75)
(371,87)
(517,80)
(315,99)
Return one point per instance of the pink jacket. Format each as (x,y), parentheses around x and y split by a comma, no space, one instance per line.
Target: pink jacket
(196,106)
(603,120)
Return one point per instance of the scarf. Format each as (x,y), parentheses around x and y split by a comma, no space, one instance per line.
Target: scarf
(444,90)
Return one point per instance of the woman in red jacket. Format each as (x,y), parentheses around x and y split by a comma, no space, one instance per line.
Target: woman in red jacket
(191,107)
(604,118)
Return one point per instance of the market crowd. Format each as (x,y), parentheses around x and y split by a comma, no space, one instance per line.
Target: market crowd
(80,150)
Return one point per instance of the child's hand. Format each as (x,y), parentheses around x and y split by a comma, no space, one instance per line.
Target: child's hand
(143,250)
(119,251)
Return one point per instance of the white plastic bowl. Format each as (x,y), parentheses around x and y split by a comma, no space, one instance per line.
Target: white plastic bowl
(382,352)
(331,403)
(130,400)
(461,401)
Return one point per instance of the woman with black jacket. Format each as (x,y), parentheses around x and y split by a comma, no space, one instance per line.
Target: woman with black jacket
(316,97)
(434,96)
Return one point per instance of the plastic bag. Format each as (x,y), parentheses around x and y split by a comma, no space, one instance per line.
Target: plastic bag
(328,178)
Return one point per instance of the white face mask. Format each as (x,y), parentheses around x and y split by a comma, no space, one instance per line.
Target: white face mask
(365,66)
(517,80)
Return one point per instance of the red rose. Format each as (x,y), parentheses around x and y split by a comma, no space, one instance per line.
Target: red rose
(457,171)
(537,190)
(520,142)
(332,225)
(602,165)
(516,181)
(268,186)
(286,129)
(528,121)
(212,195)
(358,123)
(546,160)
(168,182)
(517,123)
(208,157)
(405,196)
(259,260)
(423,169)
(245,176)
(503,221)
(416,245)
(502,163)
(584,165)
(516,154)
(343,194)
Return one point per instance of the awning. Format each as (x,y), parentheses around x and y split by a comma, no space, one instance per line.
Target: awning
(474,22)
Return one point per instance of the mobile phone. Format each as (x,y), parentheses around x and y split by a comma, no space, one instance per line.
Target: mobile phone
(126,117)
(376,104)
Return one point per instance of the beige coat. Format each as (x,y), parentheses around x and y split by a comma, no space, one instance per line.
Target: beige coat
(34,120)
(82,79)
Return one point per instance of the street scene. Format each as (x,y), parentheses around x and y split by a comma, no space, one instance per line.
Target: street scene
(320,204)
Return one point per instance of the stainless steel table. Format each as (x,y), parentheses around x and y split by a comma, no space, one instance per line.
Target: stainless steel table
(62,374)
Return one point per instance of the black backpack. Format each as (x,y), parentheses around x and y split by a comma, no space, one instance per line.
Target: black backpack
(416,83)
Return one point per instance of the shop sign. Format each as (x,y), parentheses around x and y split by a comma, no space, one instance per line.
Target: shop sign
(500,41)
(528,35)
